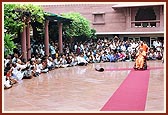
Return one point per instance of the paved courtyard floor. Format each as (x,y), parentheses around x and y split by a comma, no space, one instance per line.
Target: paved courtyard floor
(81,89)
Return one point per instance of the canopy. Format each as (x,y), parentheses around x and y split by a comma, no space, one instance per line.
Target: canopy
(56,18)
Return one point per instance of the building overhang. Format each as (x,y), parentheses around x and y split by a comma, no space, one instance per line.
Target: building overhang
(56,18)
(137,4)
(130,33)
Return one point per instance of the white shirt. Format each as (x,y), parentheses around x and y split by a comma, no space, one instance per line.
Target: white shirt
(81,59)
(52,50)
(21,66)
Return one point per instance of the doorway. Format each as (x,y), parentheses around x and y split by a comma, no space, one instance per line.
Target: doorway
(146,39)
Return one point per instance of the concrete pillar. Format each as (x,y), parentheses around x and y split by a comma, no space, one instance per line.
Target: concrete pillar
(162,18)
(128,18)
(60,37)
(46,41)
(23,44)
(28,41)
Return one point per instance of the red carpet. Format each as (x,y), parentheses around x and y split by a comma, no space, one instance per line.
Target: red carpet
(132,93)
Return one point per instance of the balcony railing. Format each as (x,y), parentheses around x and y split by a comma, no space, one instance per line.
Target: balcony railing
(145,24)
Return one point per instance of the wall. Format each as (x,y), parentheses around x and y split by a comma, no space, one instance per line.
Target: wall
(116,20)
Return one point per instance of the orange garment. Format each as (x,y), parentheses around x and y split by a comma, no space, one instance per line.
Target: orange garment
(140,59)
(145,47)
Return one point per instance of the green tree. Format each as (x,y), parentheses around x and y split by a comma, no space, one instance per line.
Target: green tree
(11,22)
(93,35)
(8,44)
(80,26)
(15,17)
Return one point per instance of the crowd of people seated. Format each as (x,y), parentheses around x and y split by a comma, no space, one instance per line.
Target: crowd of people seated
(74,54)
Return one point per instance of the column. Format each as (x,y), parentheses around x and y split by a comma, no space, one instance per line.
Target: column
(28,40)
(23,44)
(46,41)
(128,18)
(161,18)
(60,37)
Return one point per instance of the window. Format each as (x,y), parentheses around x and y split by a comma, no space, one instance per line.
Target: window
(130,39)
(98,18)
(151,41)
(125,38)
(145,13)
(145,17)
(137,39)
(145,39)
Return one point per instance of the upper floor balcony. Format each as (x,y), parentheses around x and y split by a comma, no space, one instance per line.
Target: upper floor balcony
(145,24)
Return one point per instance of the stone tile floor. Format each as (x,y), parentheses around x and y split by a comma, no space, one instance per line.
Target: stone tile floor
(80,89)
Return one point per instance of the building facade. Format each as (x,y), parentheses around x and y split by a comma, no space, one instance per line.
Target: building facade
(140,21)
